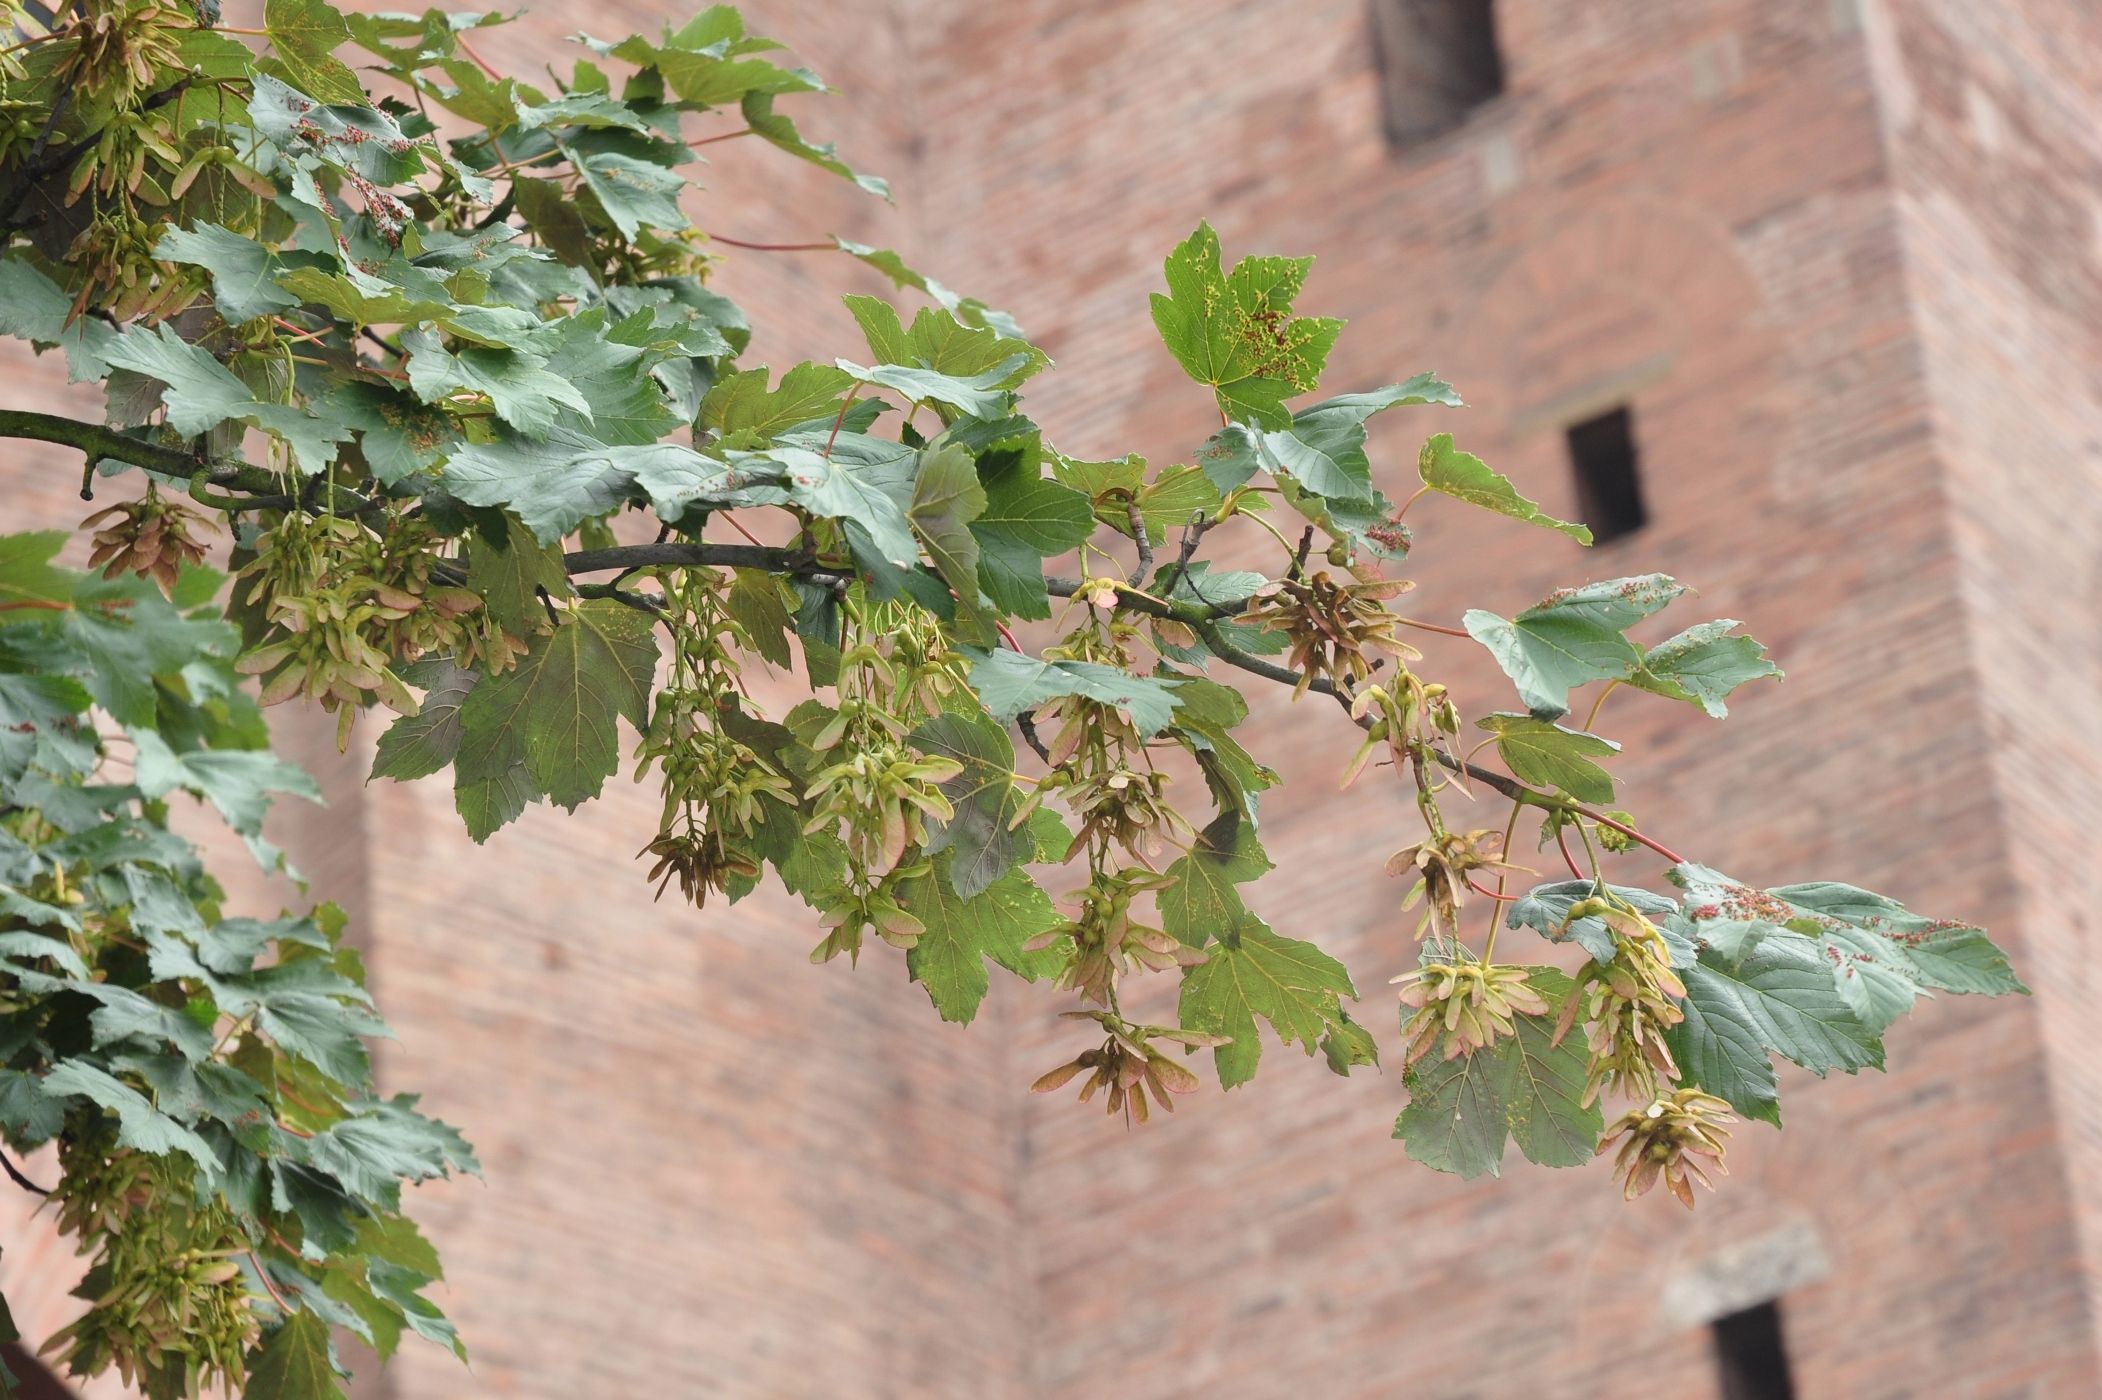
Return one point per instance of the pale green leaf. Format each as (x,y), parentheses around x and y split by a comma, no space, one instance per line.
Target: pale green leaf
(1571,638)
(1702,665)
(1009,682)
(1466,477)
(1289,983)
(293,1363)
(961,934)
(1543,753)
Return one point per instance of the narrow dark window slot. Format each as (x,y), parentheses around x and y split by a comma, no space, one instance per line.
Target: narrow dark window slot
(1437,61)
(1608,476)
(1751,1358)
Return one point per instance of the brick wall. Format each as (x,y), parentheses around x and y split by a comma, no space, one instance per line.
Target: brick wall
(1991,114)
(1683,207)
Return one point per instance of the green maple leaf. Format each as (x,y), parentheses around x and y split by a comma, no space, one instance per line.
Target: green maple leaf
(26,572)
(1882,954)
(946,498)
(741,402)
(386,1143)
(756,604)
(1944,954)
(704,61)
(353,136)
(398,437)
(1424,388)
(1009,682)
(517,383)
(769,125)
(552,484)
(139,1124)
(293,1363)
(980,836)
(201,394)
(33,308)
(980,395)
(1543,753)
(418,745)
(1464,476)
(511,574)
(969,310)
(1348,1045)
(1782,991)
(118,638)
(962,934)
(1208,711)
(635,192)
(1545,910)
(1027,519)
(244,272)
(1702,665)
(400,1288)
(1235,330)
(238,782)
(1323,449)
(869,500)
(303,35)
(554,713)
(610,365)
(1524,1088)
(1289,983)
(1203,906)
(1717,1047)
(882,329)
(1167,502)
(1571,638)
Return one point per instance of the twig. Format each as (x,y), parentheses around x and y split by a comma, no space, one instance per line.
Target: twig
(826,247)
(1026,723)
(264,1274)
(1441,629)
(468,49)
(677,554)
(1137,518)
(14,1174)
(641,602)
(1200,521)
(833,437)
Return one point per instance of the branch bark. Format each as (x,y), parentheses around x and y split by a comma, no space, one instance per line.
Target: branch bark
(675,554)
(98,442)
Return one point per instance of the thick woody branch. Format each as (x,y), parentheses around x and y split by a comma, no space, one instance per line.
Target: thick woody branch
(261,490)
(674,554)
(101,442)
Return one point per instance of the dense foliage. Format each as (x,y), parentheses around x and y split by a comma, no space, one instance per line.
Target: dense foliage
(443,368)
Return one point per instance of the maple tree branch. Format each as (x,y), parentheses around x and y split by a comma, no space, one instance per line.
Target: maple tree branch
(1137,520)
(1192,535)
(675,554)
(725,239)
(14,1174)
(1132,600)
(98,441)
(46,160)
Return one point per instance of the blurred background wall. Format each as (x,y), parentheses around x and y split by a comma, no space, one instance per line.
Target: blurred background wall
(1802,296)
